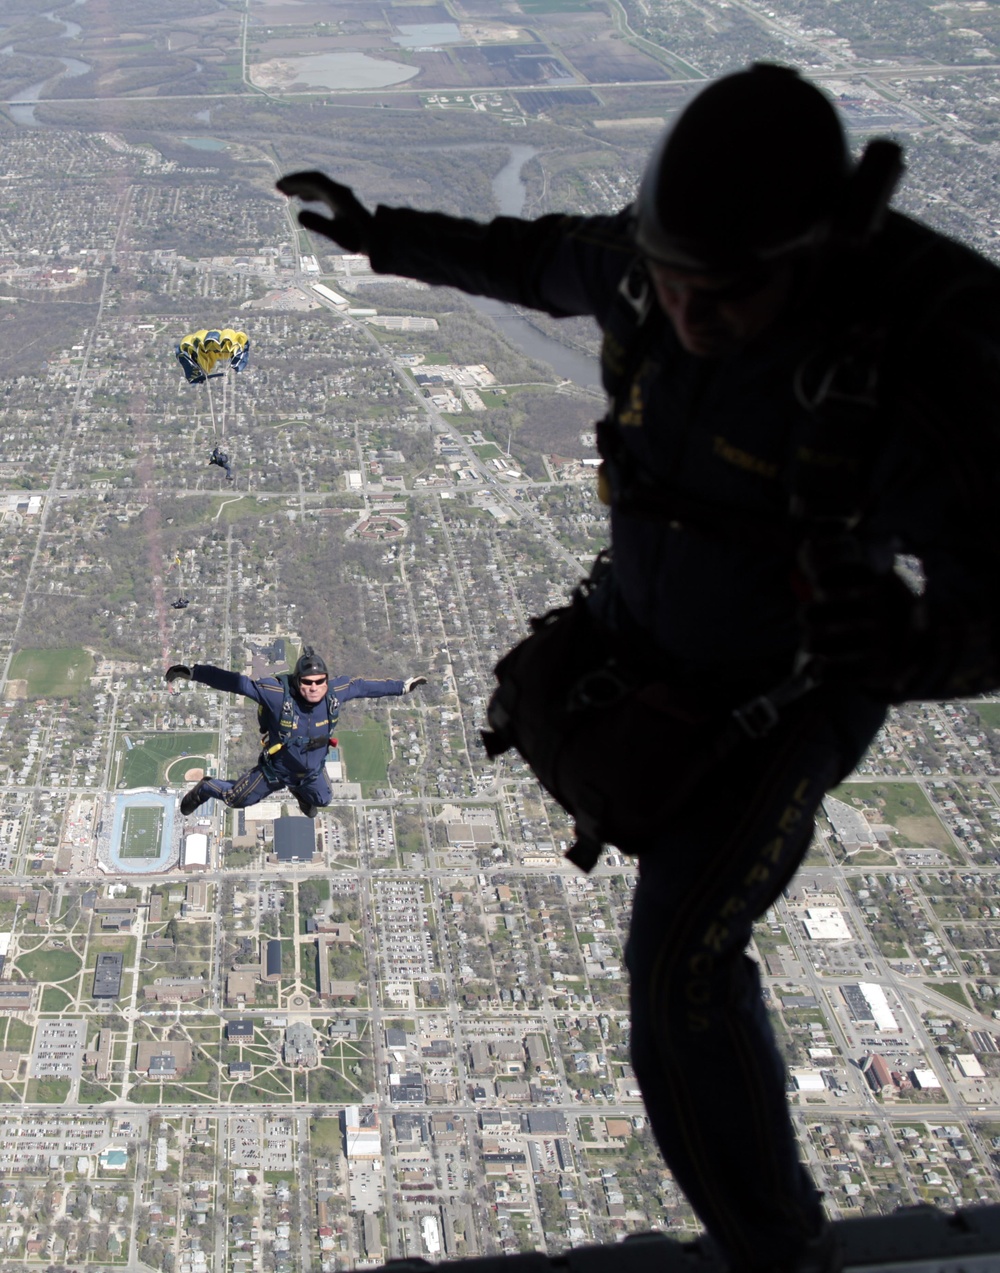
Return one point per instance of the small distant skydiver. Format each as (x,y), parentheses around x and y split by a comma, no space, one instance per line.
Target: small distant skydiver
(181,603)
(220,458)
(297,715)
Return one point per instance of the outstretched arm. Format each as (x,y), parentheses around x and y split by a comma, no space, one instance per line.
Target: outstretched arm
(221,678)
(560,264)
(348,687)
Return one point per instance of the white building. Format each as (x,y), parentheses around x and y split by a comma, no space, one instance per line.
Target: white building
(825,923)
(879,1004)
(808,1080)
(265,811)
(925,1079)
(431,1234)
(360,1142)
(328,294)
(194,855)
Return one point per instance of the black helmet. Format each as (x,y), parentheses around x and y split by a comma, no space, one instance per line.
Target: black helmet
(309,664)
(753,169)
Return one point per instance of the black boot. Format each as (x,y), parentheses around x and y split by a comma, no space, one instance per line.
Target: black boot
(310,810)
(194,798)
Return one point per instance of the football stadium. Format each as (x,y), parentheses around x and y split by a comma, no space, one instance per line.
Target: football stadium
(141,839)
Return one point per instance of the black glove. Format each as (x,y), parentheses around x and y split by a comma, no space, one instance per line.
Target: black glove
(177,672)
(350,225)
(858,623)
(412,682)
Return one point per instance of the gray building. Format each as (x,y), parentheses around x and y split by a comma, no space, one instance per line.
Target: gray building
(108,976)
(294,839)
(300,1045)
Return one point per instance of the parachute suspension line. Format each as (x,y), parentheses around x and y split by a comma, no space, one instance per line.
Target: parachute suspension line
(211,407)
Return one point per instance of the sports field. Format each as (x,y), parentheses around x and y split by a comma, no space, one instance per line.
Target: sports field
(142,831)
(52,673)
(365,753)
(187,769)
(152,755)
(141,840)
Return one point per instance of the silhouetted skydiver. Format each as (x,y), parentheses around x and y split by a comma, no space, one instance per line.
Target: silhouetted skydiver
(221,459)
(801,384)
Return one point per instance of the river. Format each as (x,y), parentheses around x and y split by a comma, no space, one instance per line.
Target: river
(508,187)
(22,109)
(568,364)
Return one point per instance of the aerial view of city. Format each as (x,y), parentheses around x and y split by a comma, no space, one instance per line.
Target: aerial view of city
(249,1040)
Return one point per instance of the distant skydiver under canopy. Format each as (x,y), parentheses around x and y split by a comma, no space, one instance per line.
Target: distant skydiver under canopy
(201,353)
(220,458)
(297,715)
(208,355)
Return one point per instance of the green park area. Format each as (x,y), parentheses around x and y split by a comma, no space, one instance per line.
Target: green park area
(94,1093)
(366,755)
(18,1037)
(49,965)
(47,1091)
(55,1000)
(325,1136)
(153,760)
(52,673)
(234,508)
(951,990)
(488,451)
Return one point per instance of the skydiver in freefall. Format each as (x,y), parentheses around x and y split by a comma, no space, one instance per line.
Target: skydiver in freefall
(297,714)
(220,458)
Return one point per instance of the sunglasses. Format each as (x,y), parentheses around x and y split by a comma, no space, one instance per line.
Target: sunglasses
(312,680)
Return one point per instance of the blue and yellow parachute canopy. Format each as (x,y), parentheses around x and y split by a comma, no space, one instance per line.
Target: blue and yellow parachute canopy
(200,353)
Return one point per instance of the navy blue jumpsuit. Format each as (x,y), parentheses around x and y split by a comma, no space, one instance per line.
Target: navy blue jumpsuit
(298,763)
(221,459)
(720,607)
